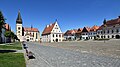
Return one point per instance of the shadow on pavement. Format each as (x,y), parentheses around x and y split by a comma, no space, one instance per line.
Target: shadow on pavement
(7,51)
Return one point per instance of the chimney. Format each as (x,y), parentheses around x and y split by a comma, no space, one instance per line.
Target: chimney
(47,25)
(51,24)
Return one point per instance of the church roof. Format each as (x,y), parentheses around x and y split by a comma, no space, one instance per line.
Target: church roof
(48,29)
(19,19)
(30,29)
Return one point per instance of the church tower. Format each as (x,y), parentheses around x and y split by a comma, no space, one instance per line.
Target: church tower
(19,30)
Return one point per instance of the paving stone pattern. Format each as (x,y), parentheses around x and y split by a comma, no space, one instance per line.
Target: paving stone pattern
(47,56)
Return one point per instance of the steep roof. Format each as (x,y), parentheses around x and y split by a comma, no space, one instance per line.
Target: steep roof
(79,31)
(86,29)
(19,19)
(48,29)
(30,29)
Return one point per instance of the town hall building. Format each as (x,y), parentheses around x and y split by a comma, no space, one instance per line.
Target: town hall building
(26,33)
(52,33)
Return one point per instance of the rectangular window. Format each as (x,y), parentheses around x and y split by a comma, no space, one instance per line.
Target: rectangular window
(59,35)
(53,35)
(36,36)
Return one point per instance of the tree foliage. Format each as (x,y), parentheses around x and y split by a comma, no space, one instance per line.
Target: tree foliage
(104,22)
(2,21)
(10,35)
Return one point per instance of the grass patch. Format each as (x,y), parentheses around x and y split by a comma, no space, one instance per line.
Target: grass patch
(12,60)
(16,45)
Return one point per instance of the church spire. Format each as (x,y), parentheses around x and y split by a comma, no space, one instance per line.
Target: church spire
(19,19)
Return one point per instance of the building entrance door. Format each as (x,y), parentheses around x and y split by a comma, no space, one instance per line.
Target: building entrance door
(117,37)
(56,40)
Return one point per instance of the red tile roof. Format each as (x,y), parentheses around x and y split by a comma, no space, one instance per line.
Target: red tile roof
(94,28)
(48,29)
(79,31)
(111,23)
(70,32)
(30,29)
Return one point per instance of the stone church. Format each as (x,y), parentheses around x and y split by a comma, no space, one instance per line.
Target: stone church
(26,33)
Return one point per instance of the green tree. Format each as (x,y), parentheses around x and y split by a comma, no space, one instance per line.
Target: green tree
(104,22)
(2,22)
(11,35)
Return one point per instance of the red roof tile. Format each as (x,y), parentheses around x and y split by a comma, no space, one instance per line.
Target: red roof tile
(70,32)
(111,23)
(79,31)
(30,29)
(48,29)
(94,28)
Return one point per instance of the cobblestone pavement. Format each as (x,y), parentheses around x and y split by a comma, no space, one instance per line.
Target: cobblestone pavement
(47,56)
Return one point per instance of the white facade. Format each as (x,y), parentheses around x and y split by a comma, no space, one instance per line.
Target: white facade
(19,31)
(85,36)
(32,36)
(92,34)
(55,35)
(112,32)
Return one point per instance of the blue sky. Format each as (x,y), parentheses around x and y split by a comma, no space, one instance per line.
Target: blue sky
(71,14)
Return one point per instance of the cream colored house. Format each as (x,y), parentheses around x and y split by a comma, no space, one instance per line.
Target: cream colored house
(26,33)
(52,33)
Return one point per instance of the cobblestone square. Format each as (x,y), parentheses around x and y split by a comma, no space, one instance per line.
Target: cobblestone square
(75,54)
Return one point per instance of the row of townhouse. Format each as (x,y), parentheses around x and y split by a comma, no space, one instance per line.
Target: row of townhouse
(3,39)
(109,29)
(81,33)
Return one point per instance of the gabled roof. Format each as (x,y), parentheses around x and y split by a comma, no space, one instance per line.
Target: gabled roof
(94,28)
(79,31)
(30,29)
(70,32)
(48,29)
(86,29)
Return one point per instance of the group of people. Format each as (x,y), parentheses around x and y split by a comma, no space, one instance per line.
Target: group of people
(29,54)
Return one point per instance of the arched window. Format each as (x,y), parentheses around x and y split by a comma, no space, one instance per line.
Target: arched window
(117,30)
(18,28)
(56,35)
(108,36)
(108,31)
(112,31)
(53,35)
(112,36)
